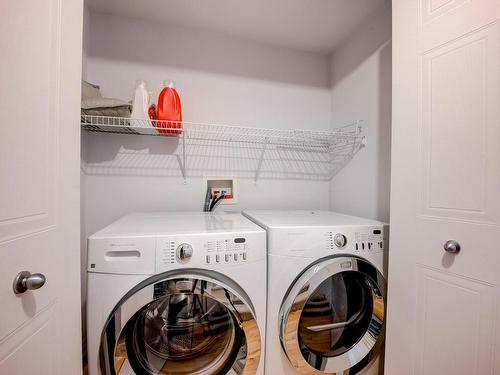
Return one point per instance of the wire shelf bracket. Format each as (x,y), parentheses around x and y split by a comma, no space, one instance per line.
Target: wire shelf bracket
(261,159)
(184,158)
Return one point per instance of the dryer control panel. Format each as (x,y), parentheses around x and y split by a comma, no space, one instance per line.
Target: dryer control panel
(369,240)
(364,239)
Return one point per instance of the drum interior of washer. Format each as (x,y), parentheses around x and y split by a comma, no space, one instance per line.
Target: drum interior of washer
(184,333)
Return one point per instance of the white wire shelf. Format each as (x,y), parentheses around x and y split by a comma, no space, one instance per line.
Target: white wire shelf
(246,152)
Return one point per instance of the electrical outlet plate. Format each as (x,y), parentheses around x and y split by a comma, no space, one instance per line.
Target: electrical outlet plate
(221,182)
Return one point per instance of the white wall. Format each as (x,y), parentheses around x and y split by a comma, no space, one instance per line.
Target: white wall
(220,80)
(361,89)
(86,40)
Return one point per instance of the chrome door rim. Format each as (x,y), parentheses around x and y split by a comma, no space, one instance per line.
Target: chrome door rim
(298,295)
(243,313)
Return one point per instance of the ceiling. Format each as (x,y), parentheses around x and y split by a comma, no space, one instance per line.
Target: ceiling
(309,25)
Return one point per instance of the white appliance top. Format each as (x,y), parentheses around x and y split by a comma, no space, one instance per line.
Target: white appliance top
(309,235)
(173,223)
(271,219)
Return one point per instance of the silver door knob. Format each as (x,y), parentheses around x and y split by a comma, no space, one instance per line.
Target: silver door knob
(26,281)
(451,246)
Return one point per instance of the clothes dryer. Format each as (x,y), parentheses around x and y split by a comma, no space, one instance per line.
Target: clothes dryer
(326,292)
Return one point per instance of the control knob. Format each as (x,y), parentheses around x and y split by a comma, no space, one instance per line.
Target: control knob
(184,252)
(340,240)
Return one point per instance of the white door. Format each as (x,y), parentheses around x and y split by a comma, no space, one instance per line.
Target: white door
(443,307)
(40,69)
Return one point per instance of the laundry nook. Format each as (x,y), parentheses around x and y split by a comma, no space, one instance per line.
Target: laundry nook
(265,187)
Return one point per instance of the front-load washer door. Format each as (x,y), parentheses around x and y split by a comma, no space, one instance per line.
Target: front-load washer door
(194,322)
(332,317)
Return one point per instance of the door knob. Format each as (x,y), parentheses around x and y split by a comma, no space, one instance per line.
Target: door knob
(26,281)
(451,246)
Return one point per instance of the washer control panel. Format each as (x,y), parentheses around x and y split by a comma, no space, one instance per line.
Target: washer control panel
(231,250)
(210,251)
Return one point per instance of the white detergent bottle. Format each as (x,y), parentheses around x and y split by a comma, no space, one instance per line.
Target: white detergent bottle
(140,106)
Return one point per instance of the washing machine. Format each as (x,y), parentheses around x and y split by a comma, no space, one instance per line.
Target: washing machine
(326,292)
(177,293)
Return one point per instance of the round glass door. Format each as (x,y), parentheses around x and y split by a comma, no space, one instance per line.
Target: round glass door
(190,326)
(332,318)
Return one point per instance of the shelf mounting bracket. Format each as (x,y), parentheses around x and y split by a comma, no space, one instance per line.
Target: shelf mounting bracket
(261,159)
(182,163)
